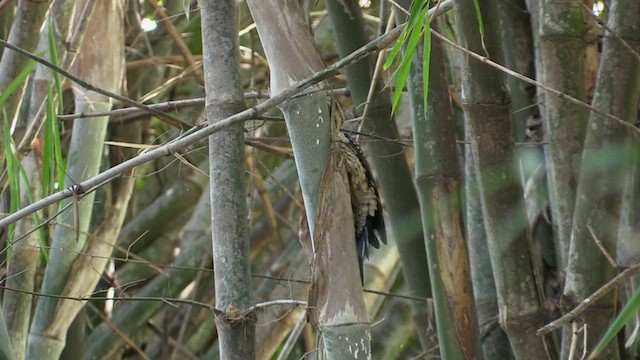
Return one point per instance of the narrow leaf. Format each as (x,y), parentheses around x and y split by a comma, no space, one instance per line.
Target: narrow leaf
(412,23)
(426,62)
(55,59)
(403,71)
(627,313)
(13,86)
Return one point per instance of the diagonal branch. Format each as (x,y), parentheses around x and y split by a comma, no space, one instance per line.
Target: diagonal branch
(484,59)
(168,118)
(196,134)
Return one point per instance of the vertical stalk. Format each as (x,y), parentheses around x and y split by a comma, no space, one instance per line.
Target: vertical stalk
(439,183)
(387,158)
(224,97)
(487,107)
(102,64)
(562,51)
(25,257)
(25,32)
(336,302)
(605,161)
(495,344)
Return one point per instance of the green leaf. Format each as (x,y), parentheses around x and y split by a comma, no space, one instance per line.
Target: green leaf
(405,65)
(426,62)
(412,23)
(53,163)
(13,86)
(627,313)
(476,4)
(48,153)
(55,59)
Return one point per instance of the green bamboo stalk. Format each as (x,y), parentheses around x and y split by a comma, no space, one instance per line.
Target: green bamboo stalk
(224,97)
(439,182)
(487,106)
(605,161)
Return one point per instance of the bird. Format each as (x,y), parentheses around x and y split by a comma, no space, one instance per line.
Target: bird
(365,200)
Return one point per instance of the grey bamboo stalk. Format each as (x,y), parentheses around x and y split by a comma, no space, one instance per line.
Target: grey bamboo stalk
(562,51)
(604,163)
(338,305)
(224,97)
(25,32)
(387,158)
(102,63)
(486,105)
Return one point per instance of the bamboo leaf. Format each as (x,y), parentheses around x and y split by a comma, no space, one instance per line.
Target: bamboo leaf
(47,152)
(627,313)
(426,62)
(10,150)
(476,4)
(403,71)
(53,163)
(22,76)
(412,23)
(55,59)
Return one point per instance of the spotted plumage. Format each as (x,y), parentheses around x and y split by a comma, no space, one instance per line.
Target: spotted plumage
(365,201)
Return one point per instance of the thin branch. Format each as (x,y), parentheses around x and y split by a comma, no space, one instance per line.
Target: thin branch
(526,79)
(168,118)
(611,31)
(284,152)
(126,338)
(173,32)
(377,71)
(584,305)
(169,301)
(4,4)
(179,104)
(601,247)
(265,304)
(196,134)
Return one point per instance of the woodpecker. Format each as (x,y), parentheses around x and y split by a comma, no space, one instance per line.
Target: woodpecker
(365,201)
